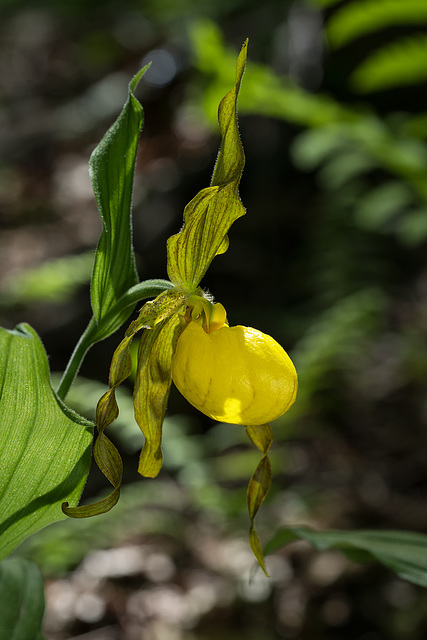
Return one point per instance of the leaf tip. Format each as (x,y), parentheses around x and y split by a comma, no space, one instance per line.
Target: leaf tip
(135,80)
(255,545)
(241,62)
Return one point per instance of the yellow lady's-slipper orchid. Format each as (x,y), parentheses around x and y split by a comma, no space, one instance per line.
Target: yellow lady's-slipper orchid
(236,375)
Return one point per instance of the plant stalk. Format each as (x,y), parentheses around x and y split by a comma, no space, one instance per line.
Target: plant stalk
(94,332)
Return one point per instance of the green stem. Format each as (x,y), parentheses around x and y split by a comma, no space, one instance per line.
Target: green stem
(141,291)
(95,332)
(81,348)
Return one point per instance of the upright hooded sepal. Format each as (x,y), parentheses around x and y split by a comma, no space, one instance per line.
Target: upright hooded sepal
(209,216)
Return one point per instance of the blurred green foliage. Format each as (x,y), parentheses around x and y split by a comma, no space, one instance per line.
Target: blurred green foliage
(397,64)
(355,19)
(336,228)
(54,280)
(343,142)
(22,600)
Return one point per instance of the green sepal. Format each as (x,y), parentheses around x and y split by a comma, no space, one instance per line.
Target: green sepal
(208,217)
(259,485)
(152,387)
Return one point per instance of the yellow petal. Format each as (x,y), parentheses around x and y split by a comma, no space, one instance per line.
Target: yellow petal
(236,374)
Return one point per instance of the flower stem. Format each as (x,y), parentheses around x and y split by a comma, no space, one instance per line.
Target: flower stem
(77,357)
(95,332)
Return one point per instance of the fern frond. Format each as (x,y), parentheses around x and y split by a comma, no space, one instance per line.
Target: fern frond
(367,16)
(400,63)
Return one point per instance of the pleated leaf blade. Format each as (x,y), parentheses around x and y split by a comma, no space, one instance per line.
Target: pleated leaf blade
(45,448)
(404,552)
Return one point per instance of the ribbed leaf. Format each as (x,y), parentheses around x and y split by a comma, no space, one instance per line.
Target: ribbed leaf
(396,64)
(112,166)
(404,552)
(362,17)
(44,446)
(208,217)
(21,600)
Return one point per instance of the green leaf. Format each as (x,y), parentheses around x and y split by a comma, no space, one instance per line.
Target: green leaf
(112,167)
(21,600)
(208,217)
(152,387)
(360,18)
(259,485)
(404,552)
(44,446)
(396,64)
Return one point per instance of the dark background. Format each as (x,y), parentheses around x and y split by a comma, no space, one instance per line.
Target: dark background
(330,260)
